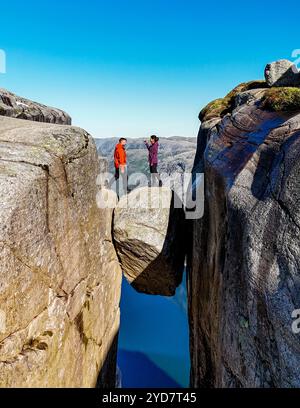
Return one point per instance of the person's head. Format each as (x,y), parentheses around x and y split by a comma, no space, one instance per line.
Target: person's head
(123,141)
(154,139)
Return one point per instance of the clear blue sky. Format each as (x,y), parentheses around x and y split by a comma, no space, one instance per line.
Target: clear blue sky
(135,67)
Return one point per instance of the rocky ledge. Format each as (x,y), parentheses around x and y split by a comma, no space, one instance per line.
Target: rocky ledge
(18,107)
(59,273)
(243,274)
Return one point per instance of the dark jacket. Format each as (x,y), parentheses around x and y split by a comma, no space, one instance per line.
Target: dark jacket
(153,153)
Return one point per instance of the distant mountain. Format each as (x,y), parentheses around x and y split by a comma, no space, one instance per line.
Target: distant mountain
(176,154)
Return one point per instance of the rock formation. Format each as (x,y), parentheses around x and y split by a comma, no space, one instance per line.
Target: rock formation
(149,238)
(282,73)
(60,278)
(17,107)
(243,269)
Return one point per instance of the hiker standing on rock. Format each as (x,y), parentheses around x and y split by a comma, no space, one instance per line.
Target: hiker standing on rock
(120,161)
(153,159)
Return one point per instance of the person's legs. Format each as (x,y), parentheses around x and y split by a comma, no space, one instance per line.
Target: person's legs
(155,175)
(117,179)
(114,178)
(152,178)
(124,181)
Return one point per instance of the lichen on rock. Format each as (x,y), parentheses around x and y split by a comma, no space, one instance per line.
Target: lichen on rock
(284,99)
(220,107)
(243,269)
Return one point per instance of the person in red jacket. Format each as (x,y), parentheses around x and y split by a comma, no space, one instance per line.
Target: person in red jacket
(120,161)
(120,157)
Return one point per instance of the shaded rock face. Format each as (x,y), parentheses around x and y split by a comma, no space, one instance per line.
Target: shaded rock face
(282,73)
(243,271)
(17,107)
(149,237)
(60,278)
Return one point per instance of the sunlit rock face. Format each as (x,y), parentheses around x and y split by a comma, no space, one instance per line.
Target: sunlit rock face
(150,240)
(282,73)
(243,272)
(60,278)
(16,106)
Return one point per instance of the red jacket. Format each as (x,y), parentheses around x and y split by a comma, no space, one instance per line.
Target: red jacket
(119,155)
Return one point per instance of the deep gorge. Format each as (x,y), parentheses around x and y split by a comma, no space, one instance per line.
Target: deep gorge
(63,256)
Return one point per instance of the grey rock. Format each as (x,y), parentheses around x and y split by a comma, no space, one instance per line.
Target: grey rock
(249,97)
(244,265)
(150,241)
(21,108)
(60,278)
(282,73)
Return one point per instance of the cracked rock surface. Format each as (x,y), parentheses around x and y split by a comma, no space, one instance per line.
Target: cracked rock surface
(60,278)
(244,268)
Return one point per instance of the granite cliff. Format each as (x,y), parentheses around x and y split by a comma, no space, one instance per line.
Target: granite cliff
(243,274)
(62,252)
(59,275)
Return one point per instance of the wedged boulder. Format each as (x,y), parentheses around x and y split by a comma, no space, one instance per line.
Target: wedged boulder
(150,240)
(21,108)
(244,269)
(60,278)
(282,73)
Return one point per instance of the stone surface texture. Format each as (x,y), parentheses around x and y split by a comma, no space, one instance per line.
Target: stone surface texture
(244,265)
(59,274)
(149,238)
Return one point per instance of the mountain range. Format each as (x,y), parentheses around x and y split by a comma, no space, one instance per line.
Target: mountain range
(176,154)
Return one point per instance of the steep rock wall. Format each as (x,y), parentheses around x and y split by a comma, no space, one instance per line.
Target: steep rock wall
(243,270)
(60,278)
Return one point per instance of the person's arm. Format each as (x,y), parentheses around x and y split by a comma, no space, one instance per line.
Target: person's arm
(147,144)
(116,158)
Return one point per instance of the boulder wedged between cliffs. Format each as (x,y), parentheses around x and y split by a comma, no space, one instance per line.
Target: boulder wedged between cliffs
(149,237)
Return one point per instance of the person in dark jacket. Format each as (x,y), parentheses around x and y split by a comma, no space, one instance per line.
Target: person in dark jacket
(153,159)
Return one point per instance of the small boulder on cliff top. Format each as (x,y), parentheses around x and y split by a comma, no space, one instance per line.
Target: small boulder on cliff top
(148,233)
(282,73)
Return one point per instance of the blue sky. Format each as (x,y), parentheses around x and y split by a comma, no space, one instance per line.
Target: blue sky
(132,68)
